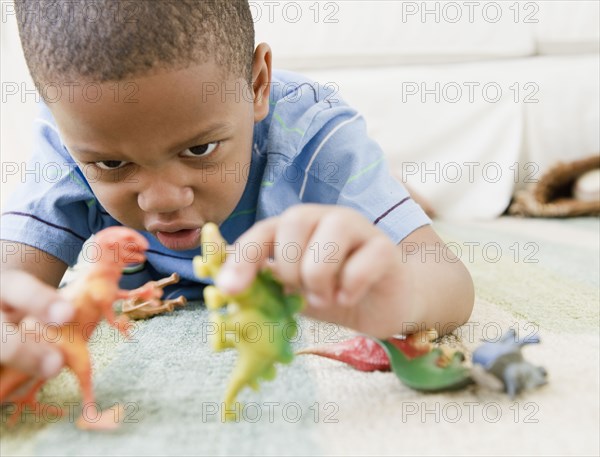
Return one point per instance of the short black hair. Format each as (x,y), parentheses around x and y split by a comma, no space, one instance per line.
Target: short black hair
(109,40)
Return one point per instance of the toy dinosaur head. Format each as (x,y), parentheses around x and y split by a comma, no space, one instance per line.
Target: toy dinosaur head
(121,246)
(213,252)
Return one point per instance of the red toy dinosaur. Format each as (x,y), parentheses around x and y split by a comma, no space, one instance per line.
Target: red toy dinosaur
(92,296)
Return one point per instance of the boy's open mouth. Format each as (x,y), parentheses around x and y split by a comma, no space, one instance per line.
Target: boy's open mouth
(180,240)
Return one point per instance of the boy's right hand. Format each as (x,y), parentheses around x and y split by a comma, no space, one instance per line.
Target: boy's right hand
(24,302)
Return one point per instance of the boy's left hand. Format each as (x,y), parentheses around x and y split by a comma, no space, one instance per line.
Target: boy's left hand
(350,272)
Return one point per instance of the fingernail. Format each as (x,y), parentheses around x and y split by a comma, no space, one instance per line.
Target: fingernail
(227,279)
(315,301)
(60,312)
(51,364)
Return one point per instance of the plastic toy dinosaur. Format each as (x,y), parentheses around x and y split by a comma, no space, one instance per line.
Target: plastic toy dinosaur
(413,359)
(435,371)
(93,296)
(138,308)
(258,322)
(365,354)
(503,360)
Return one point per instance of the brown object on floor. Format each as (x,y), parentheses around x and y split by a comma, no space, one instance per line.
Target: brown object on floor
(139,309)
(552,195)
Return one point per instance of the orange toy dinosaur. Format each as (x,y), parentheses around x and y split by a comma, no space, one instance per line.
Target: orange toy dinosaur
(92,296)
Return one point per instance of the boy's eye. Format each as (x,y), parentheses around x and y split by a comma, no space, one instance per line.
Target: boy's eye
(202,150)
(111,164)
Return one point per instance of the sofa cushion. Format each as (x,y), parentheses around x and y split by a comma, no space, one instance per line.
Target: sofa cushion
(337,34)
(465,136)
(567,27)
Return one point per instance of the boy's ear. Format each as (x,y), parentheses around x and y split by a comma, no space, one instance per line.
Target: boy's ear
(261,80)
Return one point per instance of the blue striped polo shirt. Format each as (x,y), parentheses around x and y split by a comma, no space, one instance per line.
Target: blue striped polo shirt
(311,148)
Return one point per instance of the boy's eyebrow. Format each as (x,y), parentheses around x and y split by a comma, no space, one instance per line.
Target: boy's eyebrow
(198,138)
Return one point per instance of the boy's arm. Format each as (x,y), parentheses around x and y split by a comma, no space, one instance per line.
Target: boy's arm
(370,284)
(28,294)
(44,266)
(442,284)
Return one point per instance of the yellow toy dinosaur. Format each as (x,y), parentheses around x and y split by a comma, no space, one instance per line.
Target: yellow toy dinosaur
(258,322)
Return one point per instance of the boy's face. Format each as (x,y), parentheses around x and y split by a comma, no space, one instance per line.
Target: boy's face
(165,153)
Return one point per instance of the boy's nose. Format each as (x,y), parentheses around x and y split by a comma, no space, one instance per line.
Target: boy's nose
(164,197)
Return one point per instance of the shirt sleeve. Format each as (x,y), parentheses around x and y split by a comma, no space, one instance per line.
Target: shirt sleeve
(345,166)
(53,208)
(319,151)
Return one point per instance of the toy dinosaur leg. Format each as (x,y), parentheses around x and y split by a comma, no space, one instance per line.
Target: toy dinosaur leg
(230,405)
(27,399)
(164,282)
(96,419)
(148,291)
(109,419)
(246,373)
(171,304)
(122,323)
(512,382)
(11,381)
(77,358)
(227,335)
(213,298)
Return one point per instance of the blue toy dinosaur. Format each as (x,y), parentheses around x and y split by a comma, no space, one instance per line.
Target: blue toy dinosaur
(503,359)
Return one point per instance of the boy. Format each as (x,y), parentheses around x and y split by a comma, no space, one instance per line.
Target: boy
(168,118)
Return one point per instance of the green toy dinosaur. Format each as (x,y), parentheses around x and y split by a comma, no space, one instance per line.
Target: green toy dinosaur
(258,322)
(425,373)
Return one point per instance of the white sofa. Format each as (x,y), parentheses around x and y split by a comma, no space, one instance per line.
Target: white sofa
(469,100)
